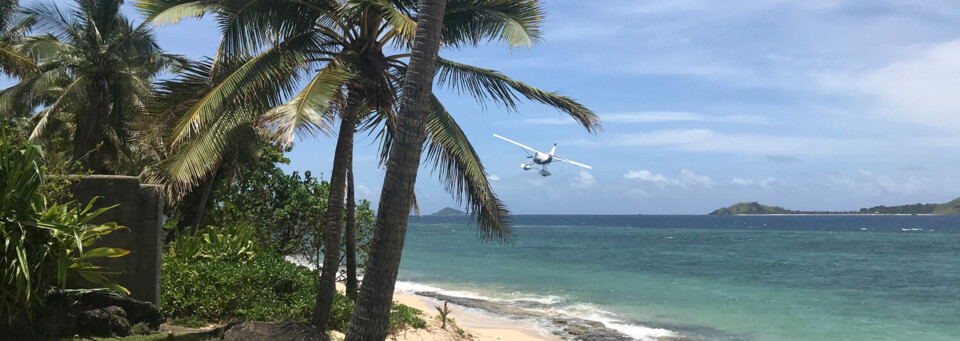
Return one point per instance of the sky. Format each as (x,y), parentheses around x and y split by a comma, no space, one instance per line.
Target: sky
(809,105)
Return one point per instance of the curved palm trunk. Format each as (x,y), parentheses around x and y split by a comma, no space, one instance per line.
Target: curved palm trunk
(333,228)
(350,234)
(196,205)
(90,128)
(372,314)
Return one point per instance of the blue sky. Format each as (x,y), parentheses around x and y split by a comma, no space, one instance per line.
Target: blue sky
(815,105)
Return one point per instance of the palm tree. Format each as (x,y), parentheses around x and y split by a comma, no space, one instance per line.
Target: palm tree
(350,235)
(237,125)
(372,313)
(357,81)
(95,74)
(13,27)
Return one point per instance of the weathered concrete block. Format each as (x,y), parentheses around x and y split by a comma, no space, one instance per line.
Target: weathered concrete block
(141,211)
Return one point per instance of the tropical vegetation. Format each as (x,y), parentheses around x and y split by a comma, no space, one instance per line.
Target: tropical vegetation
(218,275)
(95,72)
(13,27)
(43,242)
(214,131)
(358,80)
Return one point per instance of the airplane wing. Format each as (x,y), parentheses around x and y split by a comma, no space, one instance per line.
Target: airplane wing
(571,162)
(514,142)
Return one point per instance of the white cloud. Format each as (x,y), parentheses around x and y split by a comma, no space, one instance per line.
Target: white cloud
(923,90)
(872,183)
(493,177)
(686,179)
(653,117)
(646,175)
(689,177)
(583,180)
(706,140)
(763,183)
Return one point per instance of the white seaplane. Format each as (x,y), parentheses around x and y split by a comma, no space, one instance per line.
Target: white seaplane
(540,158)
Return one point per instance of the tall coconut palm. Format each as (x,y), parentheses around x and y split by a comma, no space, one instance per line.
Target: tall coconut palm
(372,314)
(95,73)
(238,125)
(359,81)
(13,27)
(350,236)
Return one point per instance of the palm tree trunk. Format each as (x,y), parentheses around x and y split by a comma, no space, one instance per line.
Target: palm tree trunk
(372,313)
(196,205)
(333,228)
(90,128)
(350,233)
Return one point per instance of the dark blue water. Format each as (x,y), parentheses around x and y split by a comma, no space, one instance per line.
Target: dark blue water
(719,277)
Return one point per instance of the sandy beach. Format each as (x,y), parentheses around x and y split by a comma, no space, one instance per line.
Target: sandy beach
(475,326)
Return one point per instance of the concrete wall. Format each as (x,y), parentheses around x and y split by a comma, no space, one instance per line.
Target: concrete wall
(141,211)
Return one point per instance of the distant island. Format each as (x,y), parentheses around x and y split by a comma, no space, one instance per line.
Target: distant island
(450,211)
(751,208)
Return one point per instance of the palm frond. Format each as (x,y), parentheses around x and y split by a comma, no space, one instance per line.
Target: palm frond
(463,175)
(308,112)
(166,12)
(400,23)
(276,69)
(515,22)
(490,85)
(194,160)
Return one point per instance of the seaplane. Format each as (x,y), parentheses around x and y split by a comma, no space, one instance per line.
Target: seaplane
(540,158)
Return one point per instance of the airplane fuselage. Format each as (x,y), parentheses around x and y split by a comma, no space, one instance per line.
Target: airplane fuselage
(542,158)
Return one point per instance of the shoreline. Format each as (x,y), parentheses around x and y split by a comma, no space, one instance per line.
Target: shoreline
(488,318)
(476,326)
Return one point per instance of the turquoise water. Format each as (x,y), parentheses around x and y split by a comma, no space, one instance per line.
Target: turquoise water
(721,278)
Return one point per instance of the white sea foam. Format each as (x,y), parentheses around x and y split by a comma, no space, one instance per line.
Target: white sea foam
(555,305)
(411,287)
(594,313)
(300,260)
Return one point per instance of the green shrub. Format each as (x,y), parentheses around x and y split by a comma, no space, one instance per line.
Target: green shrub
(232,244)
(42,245)
(403,317)
(264,288)
(217,275)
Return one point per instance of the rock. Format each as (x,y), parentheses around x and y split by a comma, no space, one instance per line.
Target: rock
(56,322)
(83,313)
(103,322)
(579,329)
(137,311)
(272,331)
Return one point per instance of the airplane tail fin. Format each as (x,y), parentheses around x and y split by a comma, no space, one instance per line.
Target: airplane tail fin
(554,149)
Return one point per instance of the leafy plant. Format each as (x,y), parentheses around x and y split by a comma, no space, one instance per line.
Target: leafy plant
(443,312)
(403,317)
(43,245)
(265,287)
(232,243)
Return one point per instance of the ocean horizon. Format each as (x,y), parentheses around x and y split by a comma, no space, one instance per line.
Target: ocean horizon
(825,277)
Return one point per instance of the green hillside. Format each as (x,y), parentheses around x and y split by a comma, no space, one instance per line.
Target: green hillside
(949,208)
(952,207)
(449,211)
(750,208)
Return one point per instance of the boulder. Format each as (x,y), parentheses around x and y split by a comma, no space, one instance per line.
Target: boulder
(272,331)
(103,322)
(137,311)
(83,313)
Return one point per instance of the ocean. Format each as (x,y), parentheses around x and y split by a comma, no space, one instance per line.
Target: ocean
(707,277)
